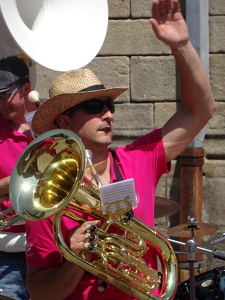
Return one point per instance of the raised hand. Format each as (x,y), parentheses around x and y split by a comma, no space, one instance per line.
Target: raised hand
(168,23)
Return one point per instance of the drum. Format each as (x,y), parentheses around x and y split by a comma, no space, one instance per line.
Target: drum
(208,286)
(5,298)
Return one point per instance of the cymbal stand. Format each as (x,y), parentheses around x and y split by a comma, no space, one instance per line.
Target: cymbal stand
(218,253)
(222,238)
(191,246)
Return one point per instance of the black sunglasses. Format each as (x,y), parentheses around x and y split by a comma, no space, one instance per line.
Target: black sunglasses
(92,106)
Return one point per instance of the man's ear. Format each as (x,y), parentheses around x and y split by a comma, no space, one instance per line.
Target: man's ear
(63,122)
(26,88)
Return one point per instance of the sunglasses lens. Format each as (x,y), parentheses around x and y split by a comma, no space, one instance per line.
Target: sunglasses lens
(111,106)
(97,106)
(93,107)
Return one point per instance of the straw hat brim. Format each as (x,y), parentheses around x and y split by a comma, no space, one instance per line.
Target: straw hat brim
(45,115)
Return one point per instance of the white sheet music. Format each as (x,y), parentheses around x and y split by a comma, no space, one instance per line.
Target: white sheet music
(118,198)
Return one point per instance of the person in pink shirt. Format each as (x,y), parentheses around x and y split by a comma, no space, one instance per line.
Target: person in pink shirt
(15,135)
(79,102)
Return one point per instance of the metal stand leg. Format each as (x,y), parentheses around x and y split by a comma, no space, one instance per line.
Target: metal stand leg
(190,247)
(192,280)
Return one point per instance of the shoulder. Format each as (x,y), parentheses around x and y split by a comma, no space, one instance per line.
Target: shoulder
(148,142)
(149,146)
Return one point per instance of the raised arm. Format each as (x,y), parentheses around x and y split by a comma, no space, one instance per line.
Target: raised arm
(197,102)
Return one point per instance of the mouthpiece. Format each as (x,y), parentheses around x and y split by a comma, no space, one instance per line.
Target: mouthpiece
(91,166)
(33,96)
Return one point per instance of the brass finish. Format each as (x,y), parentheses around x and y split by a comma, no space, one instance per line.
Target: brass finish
(189,229)
(165,207)
(8,217)
(49,180)
(46,174)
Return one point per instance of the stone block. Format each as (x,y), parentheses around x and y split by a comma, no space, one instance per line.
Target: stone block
(133,117)
(113,72)
(217,76)
(213,203)
(218,120)
(213,151)
(216,7)
(132,37)
(44,79)
(141,8)
(119,9)
(217,40)
(153,78)
(214,168)
(163,112)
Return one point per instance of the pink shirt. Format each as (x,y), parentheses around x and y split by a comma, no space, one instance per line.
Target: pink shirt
(12,144)
(143,160)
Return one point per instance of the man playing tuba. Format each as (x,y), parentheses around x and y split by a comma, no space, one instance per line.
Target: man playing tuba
(79,102)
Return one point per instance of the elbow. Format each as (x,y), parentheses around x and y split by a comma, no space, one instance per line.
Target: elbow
(212,109)
(207,108)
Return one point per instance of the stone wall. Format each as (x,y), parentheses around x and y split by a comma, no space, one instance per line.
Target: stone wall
(132,56)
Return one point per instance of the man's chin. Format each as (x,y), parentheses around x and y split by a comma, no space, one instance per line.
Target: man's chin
(106,143)
(105,139)
(8,115)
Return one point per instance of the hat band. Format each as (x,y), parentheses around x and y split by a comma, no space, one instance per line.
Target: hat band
(93,88)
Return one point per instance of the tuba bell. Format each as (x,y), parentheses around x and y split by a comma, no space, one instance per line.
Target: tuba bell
(33,26)
(48,180)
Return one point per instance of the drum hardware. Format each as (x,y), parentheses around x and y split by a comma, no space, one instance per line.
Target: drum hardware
(187,230)
(208,285)
(218,254)
(222,238)
(2,297)
(191,230)
(165,207)
(191,248)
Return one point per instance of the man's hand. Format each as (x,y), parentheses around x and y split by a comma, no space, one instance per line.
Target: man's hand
(168,23)
(77,238)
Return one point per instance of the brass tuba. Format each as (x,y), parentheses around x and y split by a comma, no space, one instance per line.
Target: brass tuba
(48,180)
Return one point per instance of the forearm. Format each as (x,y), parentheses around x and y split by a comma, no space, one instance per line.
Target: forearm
(4,186)
(197,102)
(53,283)
(195,90)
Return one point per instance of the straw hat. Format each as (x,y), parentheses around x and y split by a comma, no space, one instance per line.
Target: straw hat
(67,90)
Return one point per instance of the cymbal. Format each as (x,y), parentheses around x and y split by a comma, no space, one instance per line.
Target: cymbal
(198,229)
(165,207)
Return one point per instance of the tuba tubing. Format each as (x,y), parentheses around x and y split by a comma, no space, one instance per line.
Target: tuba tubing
(48,180)
(8,217)
(135,288)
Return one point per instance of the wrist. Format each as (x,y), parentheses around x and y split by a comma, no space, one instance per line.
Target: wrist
(181,48)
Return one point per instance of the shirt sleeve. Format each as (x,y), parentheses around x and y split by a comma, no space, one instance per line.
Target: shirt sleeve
(41,250)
